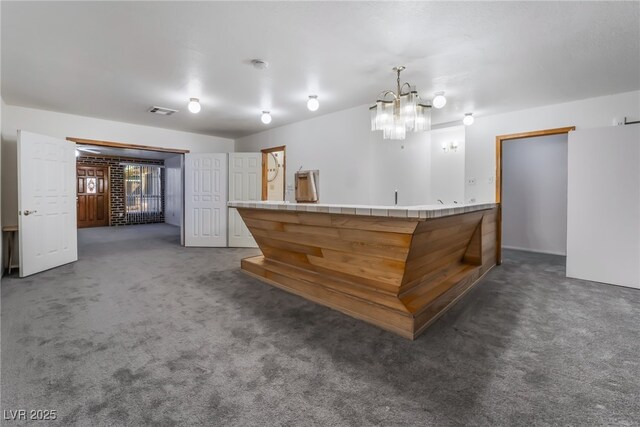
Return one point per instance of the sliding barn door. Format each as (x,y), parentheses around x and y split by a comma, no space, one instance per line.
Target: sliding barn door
(205,200)
(245,183)
(46,202)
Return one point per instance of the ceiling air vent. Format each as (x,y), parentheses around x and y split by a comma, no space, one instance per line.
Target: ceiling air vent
(162,111)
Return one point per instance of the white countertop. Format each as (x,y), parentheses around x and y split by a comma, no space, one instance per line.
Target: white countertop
(420,211)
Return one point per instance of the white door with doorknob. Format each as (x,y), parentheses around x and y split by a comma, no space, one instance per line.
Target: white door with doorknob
(46,202)
(245,183)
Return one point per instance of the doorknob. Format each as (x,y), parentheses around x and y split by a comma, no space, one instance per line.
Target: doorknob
(29,212)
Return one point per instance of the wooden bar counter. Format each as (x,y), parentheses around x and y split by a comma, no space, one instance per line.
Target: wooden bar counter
(398,268)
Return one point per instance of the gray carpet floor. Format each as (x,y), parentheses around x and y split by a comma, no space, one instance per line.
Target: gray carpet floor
(141,331)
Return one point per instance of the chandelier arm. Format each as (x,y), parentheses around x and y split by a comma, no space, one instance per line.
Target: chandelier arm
(384,93)
(402,87)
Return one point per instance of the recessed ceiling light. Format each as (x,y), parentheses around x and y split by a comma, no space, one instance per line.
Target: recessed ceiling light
(265,117)
(259,64)
(468,119)
(313,104)
(439,100)
(194,105)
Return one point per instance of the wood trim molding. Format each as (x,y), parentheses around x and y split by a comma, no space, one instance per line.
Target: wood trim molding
(265,152)
(265,162)
(499,140)
(272,149)
(123,145)
(544,132)
(123,158)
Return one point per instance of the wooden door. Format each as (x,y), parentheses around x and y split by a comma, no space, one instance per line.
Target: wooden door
(93,196)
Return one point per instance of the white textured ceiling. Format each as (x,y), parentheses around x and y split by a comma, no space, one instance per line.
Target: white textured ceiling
(114,60)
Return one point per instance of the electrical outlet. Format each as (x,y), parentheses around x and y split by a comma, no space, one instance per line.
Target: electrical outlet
(471,181)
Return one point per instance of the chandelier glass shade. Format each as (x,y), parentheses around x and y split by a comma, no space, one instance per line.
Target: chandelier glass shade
(399,112)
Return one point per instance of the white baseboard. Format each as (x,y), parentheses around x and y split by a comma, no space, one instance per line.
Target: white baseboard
(538,251)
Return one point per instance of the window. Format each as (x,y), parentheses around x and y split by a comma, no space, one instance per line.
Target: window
(143,189)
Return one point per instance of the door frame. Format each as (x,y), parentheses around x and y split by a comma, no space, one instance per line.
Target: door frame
(112,144)
(108,178)
(265,161)
(500,139)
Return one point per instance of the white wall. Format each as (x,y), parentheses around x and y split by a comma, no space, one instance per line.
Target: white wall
(480,162)
(337,144)
(534,194)
(603,242)
(400,165)
(367,169)
(356,165)
(173,190)
(67,125)
(447,167)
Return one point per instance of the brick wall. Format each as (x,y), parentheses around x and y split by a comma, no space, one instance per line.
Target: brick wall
(118,215)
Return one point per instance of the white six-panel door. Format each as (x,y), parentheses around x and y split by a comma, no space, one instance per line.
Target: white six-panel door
(46,202)
(245,183)
(205,200)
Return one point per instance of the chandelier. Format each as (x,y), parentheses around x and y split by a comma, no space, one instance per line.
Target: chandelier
(397,113)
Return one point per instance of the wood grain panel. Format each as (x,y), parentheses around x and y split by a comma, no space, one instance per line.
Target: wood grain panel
(448,221)
(437,308)
(352,222)
(271,245)
(389,276)
(422,296)
(399,274)
(473,253)
(377,314)
(336,284)
(375,250)
(289,246)
(92,207)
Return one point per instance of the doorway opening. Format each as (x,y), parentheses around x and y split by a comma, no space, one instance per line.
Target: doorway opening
(531,187)
(274,173)
(123,185)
